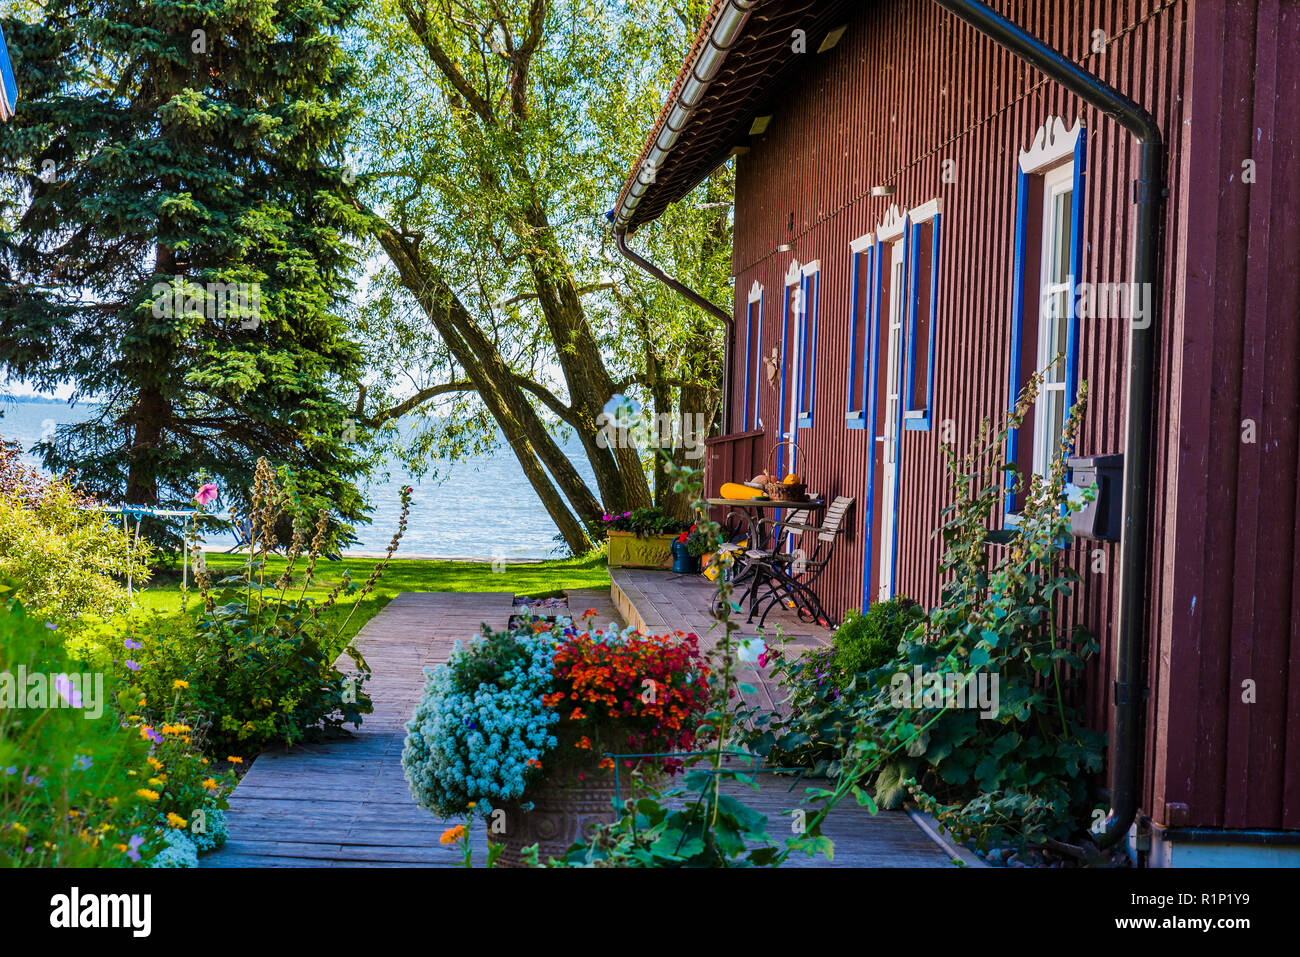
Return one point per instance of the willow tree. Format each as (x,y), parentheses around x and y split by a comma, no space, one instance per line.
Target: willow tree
(497,136)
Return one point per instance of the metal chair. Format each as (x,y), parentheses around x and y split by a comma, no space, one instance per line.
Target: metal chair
(786,577)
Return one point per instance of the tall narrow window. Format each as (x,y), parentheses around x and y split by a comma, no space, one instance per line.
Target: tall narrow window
(1048,249)
(1055,309)
(923,291)
(753,356)
(809,292)
(860,318)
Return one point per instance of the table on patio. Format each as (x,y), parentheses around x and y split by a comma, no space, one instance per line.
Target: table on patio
(752,511)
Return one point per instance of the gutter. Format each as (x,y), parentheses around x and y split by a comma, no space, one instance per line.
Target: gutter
(727,27)
(1148,194)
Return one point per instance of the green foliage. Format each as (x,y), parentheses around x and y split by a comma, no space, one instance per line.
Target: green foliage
(67,555)
(1017,778)
(67,775)
(646,521)
(864,642)
(167,147)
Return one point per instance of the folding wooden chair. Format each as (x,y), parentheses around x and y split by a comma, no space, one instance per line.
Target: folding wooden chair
(786,577)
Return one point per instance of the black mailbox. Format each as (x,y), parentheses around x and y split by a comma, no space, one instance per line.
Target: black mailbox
(1100,518)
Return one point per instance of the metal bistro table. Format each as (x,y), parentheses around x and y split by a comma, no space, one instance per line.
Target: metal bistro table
(752,511)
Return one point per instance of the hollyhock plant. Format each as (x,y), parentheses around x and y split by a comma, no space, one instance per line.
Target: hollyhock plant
(206,493)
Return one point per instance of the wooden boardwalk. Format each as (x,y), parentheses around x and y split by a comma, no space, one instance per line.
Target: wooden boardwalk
(345,803)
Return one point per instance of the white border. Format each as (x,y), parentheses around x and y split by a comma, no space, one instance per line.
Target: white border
(1052,143)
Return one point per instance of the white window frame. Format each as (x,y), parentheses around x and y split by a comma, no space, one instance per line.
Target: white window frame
(1055,247)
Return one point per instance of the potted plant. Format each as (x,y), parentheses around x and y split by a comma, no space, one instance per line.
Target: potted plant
(519,727)
(687,549)
(642,538)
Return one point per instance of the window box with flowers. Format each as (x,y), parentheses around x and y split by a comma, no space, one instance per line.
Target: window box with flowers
(517,728)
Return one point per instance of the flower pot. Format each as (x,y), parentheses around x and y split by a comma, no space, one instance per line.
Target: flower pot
(684,563)
(629,551)
(565,809)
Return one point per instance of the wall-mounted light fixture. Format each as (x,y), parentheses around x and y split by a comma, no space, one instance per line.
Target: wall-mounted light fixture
(759,126)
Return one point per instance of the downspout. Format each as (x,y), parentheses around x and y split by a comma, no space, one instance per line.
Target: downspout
(685,290)
(1129,690)
(727,27)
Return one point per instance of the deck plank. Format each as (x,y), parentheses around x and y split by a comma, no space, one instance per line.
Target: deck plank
(345,802)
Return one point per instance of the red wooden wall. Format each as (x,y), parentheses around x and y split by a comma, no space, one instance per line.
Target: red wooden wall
(910,87)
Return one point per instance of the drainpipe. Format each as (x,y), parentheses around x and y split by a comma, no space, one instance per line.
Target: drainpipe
(722,36)
(1148,192)
(685,290)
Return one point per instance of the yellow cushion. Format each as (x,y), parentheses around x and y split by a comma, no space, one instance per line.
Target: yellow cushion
(736,490)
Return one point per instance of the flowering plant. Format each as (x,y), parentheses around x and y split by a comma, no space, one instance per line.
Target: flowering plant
(630,692)
(643,522)
(514,707)
(696,542)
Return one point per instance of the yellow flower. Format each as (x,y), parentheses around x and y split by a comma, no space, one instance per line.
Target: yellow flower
(452,834)
(211,784)
(143,702)
(154,763)
(234,760)
(156,782)
(178,683)
(471,805)
(18,828)
(144,731)
(175,820)
(147,794)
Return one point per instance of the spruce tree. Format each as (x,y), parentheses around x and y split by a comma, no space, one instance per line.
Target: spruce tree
(173,241)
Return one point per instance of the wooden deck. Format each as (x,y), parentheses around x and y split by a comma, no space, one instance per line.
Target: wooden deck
(345,803)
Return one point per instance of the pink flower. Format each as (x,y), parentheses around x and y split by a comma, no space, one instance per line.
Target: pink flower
(206,494)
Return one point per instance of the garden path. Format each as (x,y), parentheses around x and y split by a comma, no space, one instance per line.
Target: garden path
(345,803)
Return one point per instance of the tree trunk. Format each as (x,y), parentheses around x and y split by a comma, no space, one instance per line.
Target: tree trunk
(523,429)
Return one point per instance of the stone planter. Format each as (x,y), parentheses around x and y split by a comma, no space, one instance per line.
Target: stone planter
(626,550)
(565,809)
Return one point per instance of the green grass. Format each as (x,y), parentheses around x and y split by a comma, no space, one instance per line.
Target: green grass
(534,579)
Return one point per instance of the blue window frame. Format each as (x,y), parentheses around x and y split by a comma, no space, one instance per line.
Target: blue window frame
(753,360)
(1033,330)
(860,325)
(923,311)
(809,292)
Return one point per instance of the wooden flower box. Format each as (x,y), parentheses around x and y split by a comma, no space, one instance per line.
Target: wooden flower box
(626,550)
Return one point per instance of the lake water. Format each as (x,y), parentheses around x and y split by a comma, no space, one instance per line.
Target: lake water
(482,507)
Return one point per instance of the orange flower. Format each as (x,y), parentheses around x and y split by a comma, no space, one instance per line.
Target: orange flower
(452,834)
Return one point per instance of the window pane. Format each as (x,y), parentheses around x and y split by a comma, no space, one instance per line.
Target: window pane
(1061,237)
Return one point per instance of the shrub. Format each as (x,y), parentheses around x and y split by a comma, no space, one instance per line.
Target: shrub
(65,553)
(864,642)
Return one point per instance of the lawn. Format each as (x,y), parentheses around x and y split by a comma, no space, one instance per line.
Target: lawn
(532,578)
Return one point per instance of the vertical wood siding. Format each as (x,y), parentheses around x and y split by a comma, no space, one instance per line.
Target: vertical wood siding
(910,87)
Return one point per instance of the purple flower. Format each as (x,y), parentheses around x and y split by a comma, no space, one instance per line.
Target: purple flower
(154,736)
(82,762)
(67,691)
(52,626)
(33,780)
(133,645)
(132,665)
(133,850)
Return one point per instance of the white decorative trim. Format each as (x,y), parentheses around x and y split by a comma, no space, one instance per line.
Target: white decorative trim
(812,267)
(755,292)
(926,211)
(1052,143)
(792,274)
(862,242)
(891,227)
